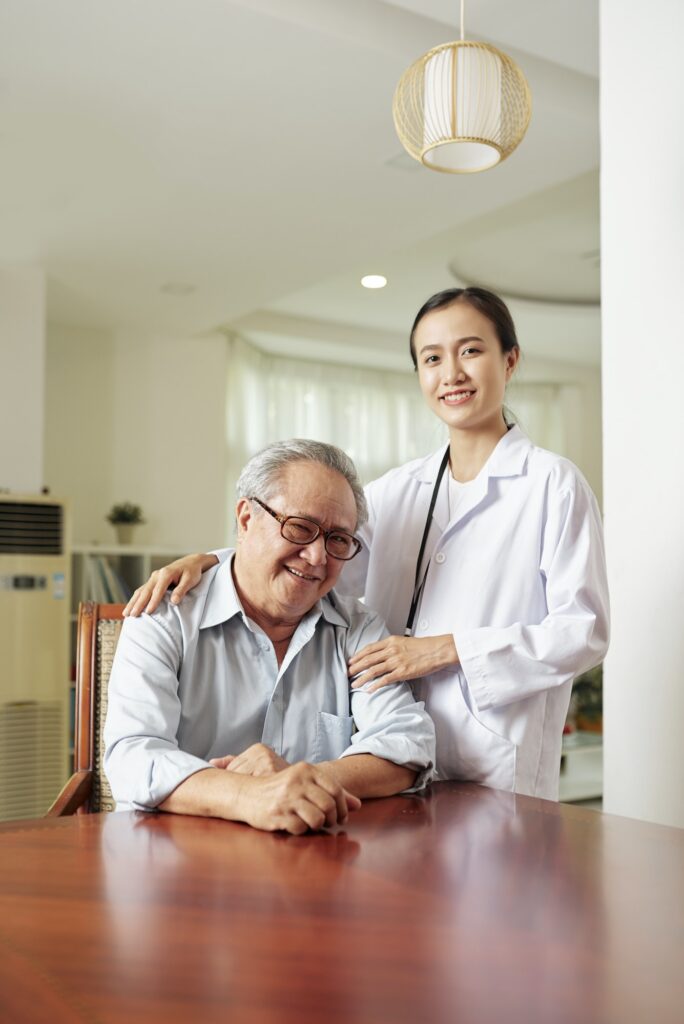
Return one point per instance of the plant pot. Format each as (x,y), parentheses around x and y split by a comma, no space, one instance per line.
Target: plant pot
(124,532)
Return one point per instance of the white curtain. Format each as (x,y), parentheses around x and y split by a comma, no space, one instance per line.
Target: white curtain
(377,416)
(538,410)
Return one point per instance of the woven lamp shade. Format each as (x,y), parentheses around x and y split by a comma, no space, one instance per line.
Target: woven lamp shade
(462,107)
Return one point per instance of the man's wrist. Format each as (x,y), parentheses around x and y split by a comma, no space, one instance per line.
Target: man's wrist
(240,797)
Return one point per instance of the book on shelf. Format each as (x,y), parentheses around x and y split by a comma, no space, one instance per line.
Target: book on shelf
(102,583)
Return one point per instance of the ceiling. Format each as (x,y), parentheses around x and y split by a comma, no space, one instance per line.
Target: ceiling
(181,165)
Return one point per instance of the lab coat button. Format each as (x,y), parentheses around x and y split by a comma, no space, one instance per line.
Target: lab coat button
(439,558)
(423,624)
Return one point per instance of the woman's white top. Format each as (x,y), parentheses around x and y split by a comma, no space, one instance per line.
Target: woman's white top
(516,572)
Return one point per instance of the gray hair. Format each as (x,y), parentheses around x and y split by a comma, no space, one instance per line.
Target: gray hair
(260,476)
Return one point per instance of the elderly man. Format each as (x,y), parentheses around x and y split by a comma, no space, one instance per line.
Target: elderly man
(236,703)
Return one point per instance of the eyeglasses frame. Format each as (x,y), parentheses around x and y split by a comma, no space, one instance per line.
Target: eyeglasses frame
(319,530)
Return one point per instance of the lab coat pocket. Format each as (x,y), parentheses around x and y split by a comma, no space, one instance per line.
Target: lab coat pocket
(333,735)
(467,748)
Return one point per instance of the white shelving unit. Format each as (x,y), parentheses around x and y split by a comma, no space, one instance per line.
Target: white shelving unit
(581,775)
(131,564)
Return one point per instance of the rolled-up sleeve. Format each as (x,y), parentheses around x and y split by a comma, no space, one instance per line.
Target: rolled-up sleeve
(142,759)
(390,722)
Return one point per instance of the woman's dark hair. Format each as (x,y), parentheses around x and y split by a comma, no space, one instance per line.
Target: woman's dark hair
(485,302)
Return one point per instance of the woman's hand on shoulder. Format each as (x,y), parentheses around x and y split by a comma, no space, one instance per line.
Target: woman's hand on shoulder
(185,573)
(399,658)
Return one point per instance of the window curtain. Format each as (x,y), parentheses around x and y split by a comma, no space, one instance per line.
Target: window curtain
(538,409)
(378,417)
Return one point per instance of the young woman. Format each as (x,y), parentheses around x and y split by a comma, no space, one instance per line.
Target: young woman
(485,559)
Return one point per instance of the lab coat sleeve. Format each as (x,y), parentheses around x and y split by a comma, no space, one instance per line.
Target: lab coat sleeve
(142,759)
(391,724)
(503,665)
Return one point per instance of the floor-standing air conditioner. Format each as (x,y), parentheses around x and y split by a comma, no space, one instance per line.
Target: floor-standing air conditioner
(34,665)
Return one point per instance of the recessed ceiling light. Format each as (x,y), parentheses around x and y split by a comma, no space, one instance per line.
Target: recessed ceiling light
(177,288)
(373,281)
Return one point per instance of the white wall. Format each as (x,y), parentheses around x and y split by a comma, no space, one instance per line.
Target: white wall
(22,374)
(79,422)
(131,417)
(642,144)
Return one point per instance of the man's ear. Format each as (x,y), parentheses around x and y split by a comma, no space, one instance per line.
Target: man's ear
(243,516)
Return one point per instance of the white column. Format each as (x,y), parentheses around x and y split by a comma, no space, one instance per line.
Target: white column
(22,378)
(642,228)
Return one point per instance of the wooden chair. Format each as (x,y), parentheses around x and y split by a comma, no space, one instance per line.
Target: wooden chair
(88,791)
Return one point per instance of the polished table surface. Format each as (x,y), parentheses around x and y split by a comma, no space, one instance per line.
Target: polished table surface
(464,905)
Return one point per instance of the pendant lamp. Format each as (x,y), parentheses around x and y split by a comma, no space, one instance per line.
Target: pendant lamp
(462,107)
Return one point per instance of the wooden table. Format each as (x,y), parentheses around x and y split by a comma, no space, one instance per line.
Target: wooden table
(467,905)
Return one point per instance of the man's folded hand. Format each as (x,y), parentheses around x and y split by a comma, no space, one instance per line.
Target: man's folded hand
(298,798)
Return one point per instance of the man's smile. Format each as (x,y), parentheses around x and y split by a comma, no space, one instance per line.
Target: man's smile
(302,575)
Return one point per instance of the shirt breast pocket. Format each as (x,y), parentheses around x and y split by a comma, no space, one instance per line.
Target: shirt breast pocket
(333,735)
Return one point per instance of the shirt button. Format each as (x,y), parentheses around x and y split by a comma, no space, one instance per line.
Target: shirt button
(441,557)
(423,624)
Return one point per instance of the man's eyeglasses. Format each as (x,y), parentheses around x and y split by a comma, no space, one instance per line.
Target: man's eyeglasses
(300,530)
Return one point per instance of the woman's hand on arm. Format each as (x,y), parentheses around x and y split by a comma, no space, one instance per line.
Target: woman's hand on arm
(399,658)
(185,573)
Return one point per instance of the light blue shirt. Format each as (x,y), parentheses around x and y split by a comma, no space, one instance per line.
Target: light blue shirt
(201,680)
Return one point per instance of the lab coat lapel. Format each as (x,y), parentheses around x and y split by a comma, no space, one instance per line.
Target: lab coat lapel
(426,473)
(507,459)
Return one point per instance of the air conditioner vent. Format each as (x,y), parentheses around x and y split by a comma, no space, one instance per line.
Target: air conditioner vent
(32,757)
(31,528)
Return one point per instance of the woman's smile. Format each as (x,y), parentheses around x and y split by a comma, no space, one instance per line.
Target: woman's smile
(459,397)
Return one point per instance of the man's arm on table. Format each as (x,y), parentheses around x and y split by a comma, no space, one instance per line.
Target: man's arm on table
(393,749)
(300,797)
(364,775)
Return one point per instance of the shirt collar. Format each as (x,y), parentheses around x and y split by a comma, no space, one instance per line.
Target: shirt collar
(329,611)
(223,602)
(507,459)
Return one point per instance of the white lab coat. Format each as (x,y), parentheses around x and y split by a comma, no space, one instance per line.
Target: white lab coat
(518,577)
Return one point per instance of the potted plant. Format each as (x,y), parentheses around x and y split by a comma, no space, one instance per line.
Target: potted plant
(123,518)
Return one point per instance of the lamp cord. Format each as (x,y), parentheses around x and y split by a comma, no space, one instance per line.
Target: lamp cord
(462,20)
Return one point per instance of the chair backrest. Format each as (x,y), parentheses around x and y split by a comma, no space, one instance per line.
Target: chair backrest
(99,626)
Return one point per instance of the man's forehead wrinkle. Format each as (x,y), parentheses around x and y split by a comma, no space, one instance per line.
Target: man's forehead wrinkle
(286,498)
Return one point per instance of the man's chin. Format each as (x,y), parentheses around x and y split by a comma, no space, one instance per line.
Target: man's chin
(300,595)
